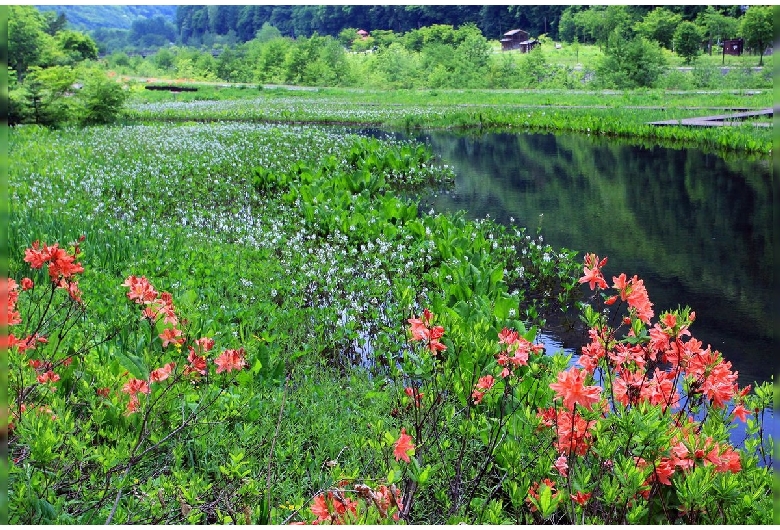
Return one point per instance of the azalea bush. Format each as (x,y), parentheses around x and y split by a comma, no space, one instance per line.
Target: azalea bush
(638,431)
(90,415)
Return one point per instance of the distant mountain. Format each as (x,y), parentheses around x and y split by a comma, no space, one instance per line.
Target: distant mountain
(91,17)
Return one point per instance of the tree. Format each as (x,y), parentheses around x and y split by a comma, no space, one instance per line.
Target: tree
(716,26)
(473,57)
(534,68)
(164,59)
(77,46)
(46,89)
(54,22)
(270,65)
(26,38)
(347,35)
(659,25)
(568,30)
(757,28)
(384,37)
(147,32)
(600,22)
(398,65)
(630,63)
(687,41)
(267,33)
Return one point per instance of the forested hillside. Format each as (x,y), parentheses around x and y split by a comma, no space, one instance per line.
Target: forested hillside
(92,17)
(303,20)
(194,22)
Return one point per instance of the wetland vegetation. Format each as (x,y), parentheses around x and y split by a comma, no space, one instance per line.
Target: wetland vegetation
(229,307)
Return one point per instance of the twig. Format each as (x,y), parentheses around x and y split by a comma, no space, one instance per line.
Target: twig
(273,444)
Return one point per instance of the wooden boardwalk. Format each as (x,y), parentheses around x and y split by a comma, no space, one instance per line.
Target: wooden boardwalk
(722,120)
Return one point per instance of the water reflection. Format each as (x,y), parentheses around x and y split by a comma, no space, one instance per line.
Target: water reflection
(697,228)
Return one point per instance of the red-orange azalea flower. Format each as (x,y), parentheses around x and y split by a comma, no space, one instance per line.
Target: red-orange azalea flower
(402,446)
(580,497)
(171,336)
(592,270)
(197,363)
(415,394)
(230,360)
(134,386)
(161,374)
(570,387)
(484,384)
(332,507)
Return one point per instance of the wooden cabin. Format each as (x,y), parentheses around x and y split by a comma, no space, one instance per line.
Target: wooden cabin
(518,39)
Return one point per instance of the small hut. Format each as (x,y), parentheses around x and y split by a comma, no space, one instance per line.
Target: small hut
(363,34)
(733,46)
(528,45)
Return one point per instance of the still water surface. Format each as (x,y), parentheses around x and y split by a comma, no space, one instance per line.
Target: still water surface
(697,228)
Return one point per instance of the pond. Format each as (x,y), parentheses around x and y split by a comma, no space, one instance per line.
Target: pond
(695,227)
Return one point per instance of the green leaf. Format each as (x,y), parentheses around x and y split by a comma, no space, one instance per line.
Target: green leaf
(545,500)
(424,475)
(133,364)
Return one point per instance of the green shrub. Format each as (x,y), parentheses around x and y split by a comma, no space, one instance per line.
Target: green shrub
(100,99)
(687,41)
(630,63)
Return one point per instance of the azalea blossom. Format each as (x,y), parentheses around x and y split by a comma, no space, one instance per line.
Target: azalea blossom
(484,384)
(581,498)
(403,446)
(570,387)
(573,433)
(332,507)
(561,464)
(415,394)
(508,336)
(516,352)
(9,292)
(161,374)
(171,336)
(134,386)
(133,405)
(533,492)
(141,291)
(197,363)
(35,256)
(48,377)
(383,498)
(230,360)
(421,330)
(62,265)
(592,270)
(663,471)
(73,290)
(30,342)
(741,413)
(204,344)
